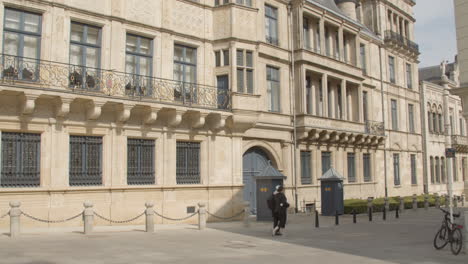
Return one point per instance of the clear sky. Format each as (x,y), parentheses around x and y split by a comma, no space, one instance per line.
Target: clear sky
(435,31)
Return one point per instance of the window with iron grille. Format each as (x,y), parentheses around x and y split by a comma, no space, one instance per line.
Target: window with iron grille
(20,159)
(306,171)
(396,169)
(271,25)
(21,44)
(366,158)
(188,163)
(85,161)
(351,167)
(326,161)
(140,161)
(273,89)
(245,77)
(414,179)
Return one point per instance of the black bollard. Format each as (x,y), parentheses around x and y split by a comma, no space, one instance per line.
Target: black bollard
(396,213)
(384,214)
(337,221)
(370,214)
(354,216)
(316,219)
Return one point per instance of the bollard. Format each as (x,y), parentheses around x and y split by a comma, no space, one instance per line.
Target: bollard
(384,215)
(316,219)
(447,201)
(370,214)
(246,214)
(201,216)
(15,213)
(386,204)
(397,215)
(354,216)
(426,202)
(415,202)
(455,201)
(402,204)
(149,212)
(437,201)
(337,220)
(88,217)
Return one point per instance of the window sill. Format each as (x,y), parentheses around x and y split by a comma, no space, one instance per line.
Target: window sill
(397,186)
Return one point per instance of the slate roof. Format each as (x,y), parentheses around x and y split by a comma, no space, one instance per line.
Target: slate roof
(433,73)
(269,171)
(332,175)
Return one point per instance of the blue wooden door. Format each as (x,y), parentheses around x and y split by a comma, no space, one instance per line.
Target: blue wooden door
(254,161)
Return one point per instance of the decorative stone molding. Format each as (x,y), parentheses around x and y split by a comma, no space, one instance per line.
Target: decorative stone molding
(93,111)
(151,115)
(62,108)
(174,117)
(29,104)
(240,123)
(198,119)
(123,114)
(216,121)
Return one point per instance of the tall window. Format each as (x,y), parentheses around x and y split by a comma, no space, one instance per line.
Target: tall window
(273,89)
(365,107)
(414,179)
(441,127)
(409,77)
(435,125)
(140,161)
(20,160)
(309,103)
(396,169)
(351,167)
(363,58)
(271,24)
(442,171)
(22,41)
(437,169)
(138,65)
(429,122)
(432,169)
(188,163)
(366,158)
(394,115)
(244,2)
(411,118)
(306,172)
(245,77)
(85,161)
(452,128)
(326,161)
(462,127)
(185,71)
(306,33)
(327,42)
(455,167)
(391,69)
(317,38)
(222,58)
(337,46)
(85,53)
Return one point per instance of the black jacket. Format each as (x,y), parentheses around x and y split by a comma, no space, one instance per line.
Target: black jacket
(281,203)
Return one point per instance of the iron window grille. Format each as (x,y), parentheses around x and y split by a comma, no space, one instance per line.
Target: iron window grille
(140,161)
(351,167)
(414,179)
(245,77)
(85,51)
(138,65)
(85,161)
(306,171)
(366,157)
(21,45)
(188,163)
(396,169)
(20,160)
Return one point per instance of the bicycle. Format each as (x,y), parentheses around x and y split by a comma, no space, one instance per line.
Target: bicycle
(449,233)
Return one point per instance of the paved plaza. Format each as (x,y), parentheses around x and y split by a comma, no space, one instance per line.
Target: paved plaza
(404,240)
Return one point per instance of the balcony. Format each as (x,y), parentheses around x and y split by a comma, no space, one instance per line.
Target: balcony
(375,128)
(460,143)
(39,74)
(395,39)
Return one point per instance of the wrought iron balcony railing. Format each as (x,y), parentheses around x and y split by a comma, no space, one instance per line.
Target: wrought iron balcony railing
(391,36)
(80,79)
(375,128)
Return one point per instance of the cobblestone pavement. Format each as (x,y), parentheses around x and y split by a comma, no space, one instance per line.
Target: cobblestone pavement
(404,240)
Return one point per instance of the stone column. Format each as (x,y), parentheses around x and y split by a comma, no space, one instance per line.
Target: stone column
(313,90)
(325,95)
(357,51)
(15,214)
(88,217)
(360,105)
(322,35)
(344,99)
(350,105)
(149,212)
(201,216)
(341,43)
(246,214)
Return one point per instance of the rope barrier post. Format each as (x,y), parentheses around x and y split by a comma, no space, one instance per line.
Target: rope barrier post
(354,216)
(337,220)
(149,212)
(415,202)
(426,202)
(246,214)
(15,213)
(88,217)
(396,213)
(201,216)
(384,215)
(437,201)
(402,204)
(386,204)
(317,219)
(369,208)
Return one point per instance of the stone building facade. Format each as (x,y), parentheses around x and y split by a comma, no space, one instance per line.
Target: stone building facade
(179,102)
(444,126)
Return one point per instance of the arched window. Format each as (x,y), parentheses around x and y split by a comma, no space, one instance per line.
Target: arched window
(441,126)
(442,169)
(437,169)
(429,122)
(432,169)
(434,123)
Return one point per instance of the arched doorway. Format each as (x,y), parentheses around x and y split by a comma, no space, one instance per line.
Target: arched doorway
(253,162)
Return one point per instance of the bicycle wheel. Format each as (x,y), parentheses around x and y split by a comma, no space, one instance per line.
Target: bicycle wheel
(441,238)
(457,241)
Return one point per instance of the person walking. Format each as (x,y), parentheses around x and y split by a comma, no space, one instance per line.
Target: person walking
(279,211)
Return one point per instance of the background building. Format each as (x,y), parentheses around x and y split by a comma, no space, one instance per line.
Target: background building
(179,101)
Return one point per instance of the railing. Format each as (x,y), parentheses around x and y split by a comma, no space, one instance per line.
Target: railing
(459,140)
(375,128)
(394,36)
(40,74)
(332,55)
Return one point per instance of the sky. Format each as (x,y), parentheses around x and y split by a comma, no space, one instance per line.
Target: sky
(435,31)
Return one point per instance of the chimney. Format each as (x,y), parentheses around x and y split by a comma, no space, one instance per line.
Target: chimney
(348,7)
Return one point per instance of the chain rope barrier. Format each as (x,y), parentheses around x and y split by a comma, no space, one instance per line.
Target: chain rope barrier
(226,218)
(51,221)
(176,219)
(7,213)
(119,222)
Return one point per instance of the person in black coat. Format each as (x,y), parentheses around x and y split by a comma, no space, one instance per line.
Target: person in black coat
(279,211)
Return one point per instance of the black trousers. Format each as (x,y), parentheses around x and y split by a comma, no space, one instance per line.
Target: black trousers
(279,219)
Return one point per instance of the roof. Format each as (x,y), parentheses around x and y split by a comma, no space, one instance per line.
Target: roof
(332,175)
(434,73)
(270,172)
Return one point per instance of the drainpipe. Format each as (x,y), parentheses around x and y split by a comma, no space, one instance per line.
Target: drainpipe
(423,129)
(383,119)
(293,104)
